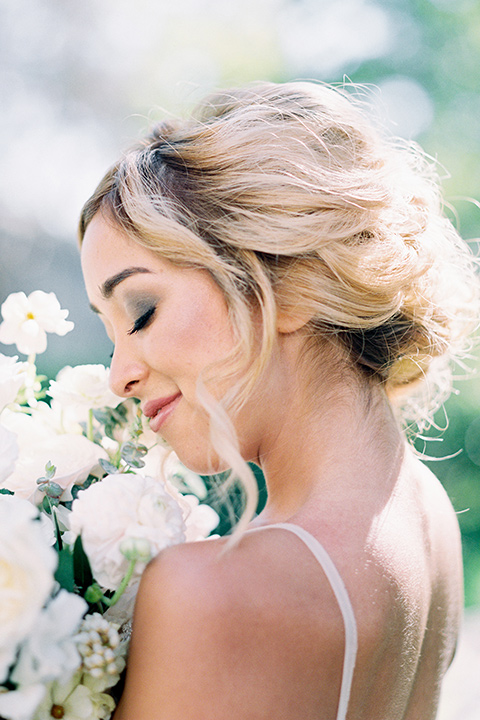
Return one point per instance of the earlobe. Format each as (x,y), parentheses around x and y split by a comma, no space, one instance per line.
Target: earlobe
(289,321)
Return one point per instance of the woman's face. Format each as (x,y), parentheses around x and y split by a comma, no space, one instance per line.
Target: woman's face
(168,324)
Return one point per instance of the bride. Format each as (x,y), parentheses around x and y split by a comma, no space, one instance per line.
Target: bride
(281,288)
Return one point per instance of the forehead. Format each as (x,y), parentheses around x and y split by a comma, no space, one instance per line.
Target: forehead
(109,256)
(106,249)
(108,252)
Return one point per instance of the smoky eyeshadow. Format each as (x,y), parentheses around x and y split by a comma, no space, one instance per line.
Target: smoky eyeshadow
(139,305)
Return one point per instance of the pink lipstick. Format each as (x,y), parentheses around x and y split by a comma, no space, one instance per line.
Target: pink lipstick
(159,410)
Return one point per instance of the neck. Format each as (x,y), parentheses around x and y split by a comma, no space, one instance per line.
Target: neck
(344,444)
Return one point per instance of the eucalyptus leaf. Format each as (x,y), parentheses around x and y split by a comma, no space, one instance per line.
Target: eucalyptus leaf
(53,490)
(50,470)
(101,415)
(135,462)
(109,468)
(132,454)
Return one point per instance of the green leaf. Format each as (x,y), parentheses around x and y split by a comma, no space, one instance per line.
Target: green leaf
(111,419)
(59,542)
(127,448)
(132,454)
(4,491)
(135,462)
(120,413)
(136,428)
(81,567)
(91,479)
(64,574)
(101,415)
(50,470)
(53,490)
(109,468)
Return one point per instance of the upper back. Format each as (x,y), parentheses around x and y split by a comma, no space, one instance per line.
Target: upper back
(257,632)
(406,587)
(404,580)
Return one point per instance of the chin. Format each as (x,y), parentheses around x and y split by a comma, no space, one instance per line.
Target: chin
(202,463)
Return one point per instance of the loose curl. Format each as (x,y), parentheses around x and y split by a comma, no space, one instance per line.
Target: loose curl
(294,202)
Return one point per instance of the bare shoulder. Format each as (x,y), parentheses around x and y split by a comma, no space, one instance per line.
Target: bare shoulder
(214,632)
(441,518)
(417,538)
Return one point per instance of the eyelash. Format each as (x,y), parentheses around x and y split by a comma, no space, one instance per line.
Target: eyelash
(143,321)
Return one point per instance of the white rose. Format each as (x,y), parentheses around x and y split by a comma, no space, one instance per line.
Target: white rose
(50,650)
(200,520)
(8,452)
(27,564)
(83,387)
(21,704)
(56,418)
(48,527)
(183,478)
(154,459)
(162,462)
(12,376)
(27,427)
(117,509)
(73,456)
(28,319)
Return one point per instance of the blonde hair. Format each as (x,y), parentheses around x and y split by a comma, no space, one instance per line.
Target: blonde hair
(292,199)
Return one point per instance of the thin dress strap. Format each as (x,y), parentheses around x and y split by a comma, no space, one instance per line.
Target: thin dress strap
(341,594)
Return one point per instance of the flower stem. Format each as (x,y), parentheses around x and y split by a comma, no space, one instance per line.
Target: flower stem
(31,378)
(90,425)
(122,587)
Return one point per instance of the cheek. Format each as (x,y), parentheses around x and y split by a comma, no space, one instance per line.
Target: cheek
(204,326)
(196,335)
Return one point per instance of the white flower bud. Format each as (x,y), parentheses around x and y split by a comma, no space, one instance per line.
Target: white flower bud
(136,549)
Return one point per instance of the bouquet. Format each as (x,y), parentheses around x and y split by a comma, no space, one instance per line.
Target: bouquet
(84,505)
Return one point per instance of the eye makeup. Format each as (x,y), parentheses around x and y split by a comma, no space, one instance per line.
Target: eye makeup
(143,321)
(143,309)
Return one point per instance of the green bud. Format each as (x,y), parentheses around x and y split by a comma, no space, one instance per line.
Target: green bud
(93,594)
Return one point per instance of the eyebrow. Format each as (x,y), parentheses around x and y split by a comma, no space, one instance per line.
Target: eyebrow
(107,288)
(109,285)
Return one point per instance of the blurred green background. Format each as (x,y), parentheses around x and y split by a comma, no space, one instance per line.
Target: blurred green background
(80,81)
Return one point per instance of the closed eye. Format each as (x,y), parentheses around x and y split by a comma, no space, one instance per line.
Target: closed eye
(143,321)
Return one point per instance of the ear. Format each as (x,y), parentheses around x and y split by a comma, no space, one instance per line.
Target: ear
(289,321)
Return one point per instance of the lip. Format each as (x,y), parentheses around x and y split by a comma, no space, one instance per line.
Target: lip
(159,410)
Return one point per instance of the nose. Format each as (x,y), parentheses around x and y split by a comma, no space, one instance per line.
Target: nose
(127,374)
